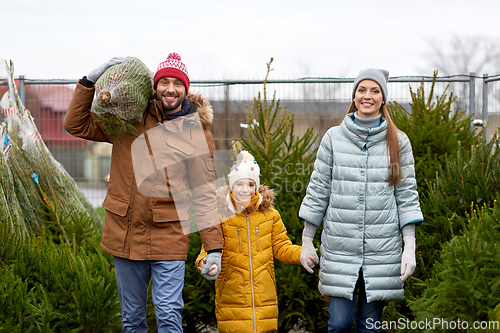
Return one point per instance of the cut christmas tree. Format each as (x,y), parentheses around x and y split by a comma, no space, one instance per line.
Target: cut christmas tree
(36,188)
(122,95)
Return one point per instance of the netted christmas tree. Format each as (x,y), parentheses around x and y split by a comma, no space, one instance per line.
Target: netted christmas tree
(53,275)
(36,188)
(122,94)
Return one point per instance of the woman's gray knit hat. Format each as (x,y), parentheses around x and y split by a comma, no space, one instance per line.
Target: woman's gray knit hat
(381,76)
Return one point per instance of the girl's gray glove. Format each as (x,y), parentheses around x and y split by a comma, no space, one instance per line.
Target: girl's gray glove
(96,73)
(210,266)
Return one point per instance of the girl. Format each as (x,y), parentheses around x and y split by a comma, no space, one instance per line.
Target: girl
(364,186)
(254,234)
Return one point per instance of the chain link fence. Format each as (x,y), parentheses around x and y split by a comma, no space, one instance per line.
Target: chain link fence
(319,103)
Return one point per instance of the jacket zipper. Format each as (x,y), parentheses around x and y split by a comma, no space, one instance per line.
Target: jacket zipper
(239,240)
(251,273)
(257,238)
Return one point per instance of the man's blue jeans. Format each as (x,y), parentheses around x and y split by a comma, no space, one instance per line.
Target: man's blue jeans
(342,315)
(133,279)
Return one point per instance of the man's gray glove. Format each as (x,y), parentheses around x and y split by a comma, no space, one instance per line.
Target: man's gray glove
(96,73)
(211,269)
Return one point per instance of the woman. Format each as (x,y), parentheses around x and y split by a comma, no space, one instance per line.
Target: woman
(364,186)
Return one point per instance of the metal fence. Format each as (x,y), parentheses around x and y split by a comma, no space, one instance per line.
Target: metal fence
(319,103)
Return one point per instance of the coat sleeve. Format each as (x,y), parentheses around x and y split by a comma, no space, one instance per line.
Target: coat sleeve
(79,121)
(283,249)
(201,171)
(201,256)
(406,190)
(315,202)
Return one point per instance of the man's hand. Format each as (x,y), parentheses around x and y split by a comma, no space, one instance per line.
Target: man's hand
(210,266)
(96,73)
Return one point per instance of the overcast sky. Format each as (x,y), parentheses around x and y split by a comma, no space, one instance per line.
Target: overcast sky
(65,39)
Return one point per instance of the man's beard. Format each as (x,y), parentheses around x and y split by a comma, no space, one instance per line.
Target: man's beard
(173,107)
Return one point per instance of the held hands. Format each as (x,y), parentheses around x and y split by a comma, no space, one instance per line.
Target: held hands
(96,73)
(210,266)
(308,255)
(408,262)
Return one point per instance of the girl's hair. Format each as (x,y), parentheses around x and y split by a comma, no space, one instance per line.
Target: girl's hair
(392,143)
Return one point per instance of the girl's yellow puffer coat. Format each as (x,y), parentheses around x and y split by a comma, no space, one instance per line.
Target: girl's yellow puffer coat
(246,298)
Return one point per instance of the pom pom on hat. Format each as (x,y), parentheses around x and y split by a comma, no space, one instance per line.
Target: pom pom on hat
(172,67)
(244,167)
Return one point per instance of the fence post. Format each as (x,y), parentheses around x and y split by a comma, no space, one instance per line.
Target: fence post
(21,89)
(472,98)
(485,106)
(227,121)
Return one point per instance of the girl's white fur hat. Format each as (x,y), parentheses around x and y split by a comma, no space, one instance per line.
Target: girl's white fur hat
(244,167)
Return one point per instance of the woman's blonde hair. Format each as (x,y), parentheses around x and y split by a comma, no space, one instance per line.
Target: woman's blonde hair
(392,143)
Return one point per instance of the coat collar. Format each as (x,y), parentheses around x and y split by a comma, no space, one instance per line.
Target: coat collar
(363,137)
(203,107)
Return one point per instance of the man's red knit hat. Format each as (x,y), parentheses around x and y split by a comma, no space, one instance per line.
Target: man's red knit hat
(172,67)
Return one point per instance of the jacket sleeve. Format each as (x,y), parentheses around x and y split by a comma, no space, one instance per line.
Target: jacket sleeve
(79,121)
(315,202)
(201,256)
(201,170)
(283,249)
(406,190)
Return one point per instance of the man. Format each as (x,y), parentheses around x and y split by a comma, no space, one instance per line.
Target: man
(148,210)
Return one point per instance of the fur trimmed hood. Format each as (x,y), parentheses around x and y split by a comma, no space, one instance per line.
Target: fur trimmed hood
(226,209)
(203,107)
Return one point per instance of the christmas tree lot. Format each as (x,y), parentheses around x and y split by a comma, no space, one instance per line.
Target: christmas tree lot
(53,275)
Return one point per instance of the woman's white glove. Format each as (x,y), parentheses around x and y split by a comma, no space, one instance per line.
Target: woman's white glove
(96,73)
(308,255)
(408,262)
(210,266)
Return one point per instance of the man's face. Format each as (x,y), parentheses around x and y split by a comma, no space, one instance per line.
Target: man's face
(171,92)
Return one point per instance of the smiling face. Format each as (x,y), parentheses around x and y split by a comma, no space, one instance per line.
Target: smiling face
(244,189)
(368,98)
(171,92)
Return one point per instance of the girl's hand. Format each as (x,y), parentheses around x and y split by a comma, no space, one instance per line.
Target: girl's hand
(211,271)
(310,261)
(308,255)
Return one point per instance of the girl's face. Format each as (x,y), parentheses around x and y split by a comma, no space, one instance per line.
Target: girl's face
(244,189)
(368,99)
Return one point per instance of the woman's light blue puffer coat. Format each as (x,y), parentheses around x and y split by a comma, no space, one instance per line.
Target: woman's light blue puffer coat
(362,214)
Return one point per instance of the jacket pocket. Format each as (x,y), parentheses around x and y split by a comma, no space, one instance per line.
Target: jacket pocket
(265,287)
(257,245)
(232,289)
(170,213)
(178,142)
(115,205)
(240,247)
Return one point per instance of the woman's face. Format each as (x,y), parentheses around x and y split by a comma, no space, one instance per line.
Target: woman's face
(368,98)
